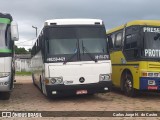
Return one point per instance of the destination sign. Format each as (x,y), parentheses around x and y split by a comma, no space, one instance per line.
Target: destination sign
(152,52)
(151,29)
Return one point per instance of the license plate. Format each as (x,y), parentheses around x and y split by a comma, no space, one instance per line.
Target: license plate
(152,87)
(80,92)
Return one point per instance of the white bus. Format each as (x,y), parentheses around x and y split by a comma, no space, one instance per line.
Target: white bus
(70,57)
(8,34)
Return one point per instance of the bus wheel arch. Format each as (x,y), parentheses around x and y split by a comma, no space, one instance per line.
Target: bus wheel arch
(127,83)
(123,76)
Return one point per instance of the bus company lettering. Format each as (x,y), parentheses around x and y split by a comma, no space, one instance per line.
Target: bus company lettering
(55,59)
(101,57)
(152,53)
(151,29)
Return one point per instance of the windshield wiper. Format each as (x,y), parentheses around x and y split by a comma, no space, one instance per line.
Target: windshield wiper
(87,52)
(72,56)
(157,36)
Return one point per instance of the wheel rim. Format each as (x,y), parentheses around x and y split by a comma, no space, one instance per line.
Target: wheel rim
(128,85)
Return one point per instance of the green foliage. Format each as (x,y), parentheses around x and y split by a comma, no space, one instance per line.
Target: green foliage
(21,50)
(29,50)
(23,73)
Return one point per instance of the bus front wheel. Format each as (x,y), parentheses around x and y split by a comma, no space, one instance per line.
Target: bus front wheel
(5,95)
(128,86)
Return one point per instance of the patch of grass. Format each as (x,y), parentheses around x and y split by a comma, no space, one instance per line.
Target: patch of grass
(23,73)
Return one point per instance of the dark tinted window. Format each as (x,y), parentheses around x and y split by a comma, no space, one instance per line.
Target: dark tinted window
(131,41)
(61,41)
(66,40)
(131,37)
(93,39)
(3,35)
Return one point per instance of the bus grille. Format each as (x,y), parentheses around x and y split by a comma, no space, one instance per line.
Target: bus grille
(154,66)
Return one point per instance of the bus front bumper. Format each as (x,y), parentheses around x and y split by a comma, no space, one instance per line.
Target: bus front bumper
(5,84)
(67,90)
(150,83)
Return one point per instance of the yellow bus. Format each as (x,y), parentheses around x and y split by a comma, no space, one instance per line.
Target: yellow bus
(135,56)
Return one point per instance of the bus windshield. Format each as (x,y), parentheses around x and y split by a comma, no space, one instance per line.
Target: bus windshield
(61,41)
(70,39)
(3,35)
(152,42)
(93,39)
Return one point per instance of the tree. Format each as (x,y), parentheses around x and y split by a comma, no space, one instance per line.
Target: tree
(20,50)
(29,50)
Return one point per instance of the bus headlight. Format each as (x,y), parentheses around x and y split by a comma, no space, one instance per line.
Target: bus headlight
(4,74)
(144,74)
(156,74)
(53,80)
(59,80)
(56,80)
(104,77)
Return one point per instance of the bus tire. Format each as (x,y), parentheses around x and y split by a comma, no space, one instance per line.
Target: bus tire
(5,95)
(12,81)
(128,86)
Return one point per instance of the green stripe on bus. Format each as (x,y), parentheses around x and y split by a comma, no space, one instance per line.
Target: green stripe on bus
(5,51)
(5,20)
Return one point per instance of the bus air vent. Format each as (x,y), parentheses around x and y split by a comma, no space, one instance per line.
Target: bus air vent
(154,66)
(53,23)
(97,23)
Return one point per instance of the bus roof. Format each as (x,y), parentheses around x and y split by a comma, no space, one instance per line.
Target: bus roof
(136,22)
(73,22)
(5,15)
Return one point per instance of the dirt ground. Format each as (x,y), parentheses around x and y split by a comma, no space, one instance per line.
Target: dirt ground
(26,97)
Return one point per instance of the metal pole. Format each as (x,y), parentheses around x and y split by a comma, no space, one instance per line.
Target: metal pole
(36,29)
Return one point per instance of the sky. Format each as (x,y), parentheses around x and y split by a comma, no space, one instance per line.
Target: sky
(28,13)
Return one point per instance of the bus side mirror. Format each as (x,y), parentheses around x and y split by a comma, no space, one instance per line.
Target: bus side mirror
(14,31)
(110,41)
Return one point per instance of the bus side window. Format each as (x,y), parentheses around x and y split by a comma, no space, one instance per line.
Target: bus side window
(110,41)
(131,38)
(42,45)
(113,39)
(118,40)
(8,40)
(39,45)
(131,43)
(36,48)
(33,50)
